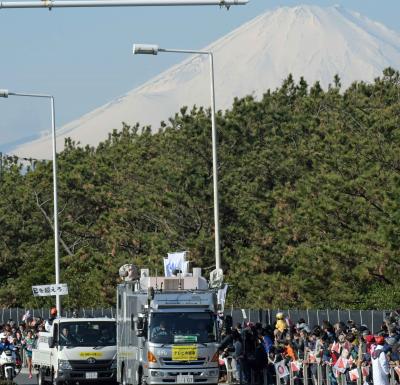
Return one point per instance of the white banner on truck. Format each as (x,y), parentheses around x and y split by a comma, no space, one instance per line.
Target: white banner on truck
(175,261)
(47,290)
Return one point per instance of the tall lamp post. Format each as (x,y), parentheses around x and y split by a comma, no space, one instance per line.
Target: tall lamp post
(115,3)
(151,49)
(5,94)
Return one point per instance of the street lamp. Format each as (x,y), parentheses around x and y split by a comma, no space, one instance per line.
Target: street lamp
(6,94)
(115,3)
(151,49)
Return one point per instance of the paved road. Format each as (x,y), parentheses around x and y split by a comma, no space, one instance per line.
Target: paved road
(23,379)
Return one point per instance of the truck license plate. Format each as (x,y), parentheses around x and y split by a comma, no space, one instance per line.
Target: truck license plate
(91,375)
(180,379)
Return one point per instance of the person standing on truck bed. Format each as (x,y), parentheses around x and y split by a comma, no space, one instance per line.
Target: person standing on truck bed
(49,322)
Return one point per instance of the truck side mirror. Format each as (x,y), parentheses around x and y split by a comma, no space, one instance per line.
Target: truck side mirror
(139,323)
(133,322)
(51,342)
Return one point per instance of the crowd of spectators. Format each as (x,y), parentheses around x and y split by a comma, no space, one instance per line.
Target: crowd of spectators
(20,337)
(282,353)
(297,353)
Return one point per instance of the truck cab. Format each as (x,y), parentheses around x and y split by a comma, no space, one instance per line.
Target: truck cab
(77,350)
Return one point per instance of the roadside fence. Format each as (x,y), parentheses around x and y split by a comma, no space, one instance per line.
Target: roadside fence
(371,318)
(17,314)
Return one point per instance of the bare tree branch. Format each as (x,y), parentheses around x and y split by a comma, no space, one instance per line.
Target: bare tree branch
(50,222)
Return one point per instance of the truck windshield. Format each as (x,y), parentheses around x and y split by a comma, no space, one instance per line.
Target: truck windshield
(87,333)
(176,328)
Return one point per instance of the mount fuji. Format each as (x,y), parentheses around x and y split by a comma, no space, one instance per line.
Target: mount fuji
(308,41)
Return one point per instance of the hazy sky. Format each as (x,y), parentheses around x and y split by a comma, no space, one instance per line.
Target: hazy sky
(84,56)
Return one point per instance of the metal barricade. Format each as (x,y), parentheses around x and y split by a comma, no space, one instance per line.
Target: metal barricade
(341,379)
(291,375)
(277,378)
(359,379)
(392,378)
(305,373)
(300,377)
(319,374)
(323,376)
(328,370)
(265,376)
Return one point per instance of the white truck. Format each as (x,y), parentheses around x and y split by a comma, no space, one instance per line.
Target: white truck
(167,331)
(77,350)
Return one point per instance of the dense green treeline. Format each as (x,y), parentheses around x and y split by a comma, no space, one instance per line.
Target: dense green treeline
(309,202)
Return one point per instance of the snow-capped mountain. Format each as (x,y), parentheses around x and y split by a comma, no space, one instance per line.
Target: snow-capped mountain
(308,41)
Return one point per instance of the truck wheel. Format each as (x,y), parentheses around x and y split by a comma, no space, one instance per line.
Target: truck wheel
(139,376)
(54,381)
(123,377)
(40,377)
